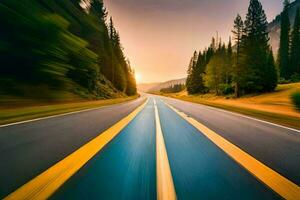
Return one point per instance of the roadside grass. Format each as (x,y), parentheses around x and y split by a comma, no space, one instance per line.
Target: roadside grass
(276,107)
(11,115)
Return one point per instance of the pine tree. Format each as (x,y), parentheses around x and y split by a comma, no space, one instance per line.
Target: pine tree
(271,76)
(119,68)
(209,53)
(295,46)
(112,29)
(201,64)
(214,74)
(218,70)
(255,49)
(98,9)
(190,81)
(194,82)
(229,63)
(283,53)
(238,30)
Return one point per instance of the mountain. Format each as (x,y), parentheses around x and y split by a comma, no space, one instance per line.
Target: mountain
(274,26)
(155,87)
(145,87)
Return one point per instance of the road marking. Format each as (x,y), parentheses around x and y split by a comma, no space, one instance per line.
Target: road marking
(165,185)
(239,115)
(45,184)
(275,181)
(59,115)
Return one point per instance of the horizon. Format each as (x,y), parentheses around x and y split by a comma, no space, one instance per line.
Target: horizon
(164,51)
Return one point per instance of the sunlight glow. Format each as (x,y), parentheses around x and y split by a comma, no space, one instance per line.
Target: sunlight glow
(138,77)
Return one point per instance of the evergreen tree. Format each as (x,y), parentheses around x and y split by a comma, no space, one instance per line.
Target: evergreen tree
(218,71)
(214,73)
(194,82)
(271,76)
(295,46)
(283,53)
(98,9)
(201,63)
(208,54)
(112,29)
(238,30)
(255,49)
(119,66)
(229,63)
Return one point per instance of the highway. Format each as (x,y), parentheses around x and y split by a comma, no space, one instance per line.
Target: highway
(160,148)
(28,149)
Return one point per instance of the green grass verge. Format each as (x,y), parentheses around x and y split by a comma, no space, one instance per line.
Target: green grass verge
(11,115)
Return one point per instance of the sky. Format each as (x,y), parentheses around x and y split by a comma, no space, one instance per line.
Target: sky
(160,36)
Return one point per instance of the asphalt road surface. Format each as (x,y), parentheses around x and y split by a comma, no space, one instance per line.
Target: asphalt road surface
(28,149)
(275,146)
(126,168)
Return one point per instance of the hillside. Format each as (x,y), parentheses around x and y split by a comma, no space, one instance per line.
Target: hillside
(155,87)
(57,51)
(274,26)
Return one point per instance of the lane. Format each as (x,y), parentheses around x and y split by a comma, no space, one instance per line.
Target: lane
(124,169)
(276,147)
(28,149)
(200,169)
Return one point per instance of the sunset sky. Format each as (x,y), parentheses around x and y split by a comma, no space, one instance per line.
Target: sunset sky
(159,36)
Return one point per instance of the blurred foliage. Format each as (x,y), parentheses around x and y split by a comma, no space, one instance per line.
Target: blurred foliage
(296,100)
(58,46)
(173,88)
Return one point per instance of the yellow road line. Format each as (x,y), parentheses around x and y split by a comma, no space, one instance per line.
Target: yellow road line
(165,185)
(275,181)
(45,184)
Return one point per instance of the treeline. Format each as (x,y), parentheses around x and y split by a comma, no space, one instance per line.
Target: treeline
(289,51)
(246,67)
(173,88)
(61,45)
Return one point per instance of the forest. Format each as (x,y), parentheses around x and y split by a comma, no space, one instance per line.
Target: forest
(173,88)
(246,63)
(61,46)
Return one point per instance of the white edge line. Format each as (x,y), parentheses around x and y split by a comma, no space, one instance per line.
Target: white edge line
(240,115)
(59,115)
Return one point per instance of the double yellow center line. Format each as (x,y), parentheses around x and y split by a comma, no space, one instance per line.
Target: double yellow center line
(45,184)
(165,185)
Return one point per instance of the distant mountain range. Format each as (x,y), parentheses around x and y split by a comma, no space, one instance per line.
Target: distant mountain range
(274,26)
(155,87)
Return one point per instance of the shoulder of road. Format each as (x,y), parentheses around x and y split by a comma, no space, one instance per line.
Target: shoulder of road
(274,112)
(13,116)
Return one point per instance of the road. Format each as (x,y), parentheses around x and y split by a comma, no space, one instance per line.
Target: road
(133,164)
(28,149)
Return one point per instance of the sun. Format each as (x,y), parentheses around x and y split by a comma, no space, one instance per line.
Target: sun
(138,77)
